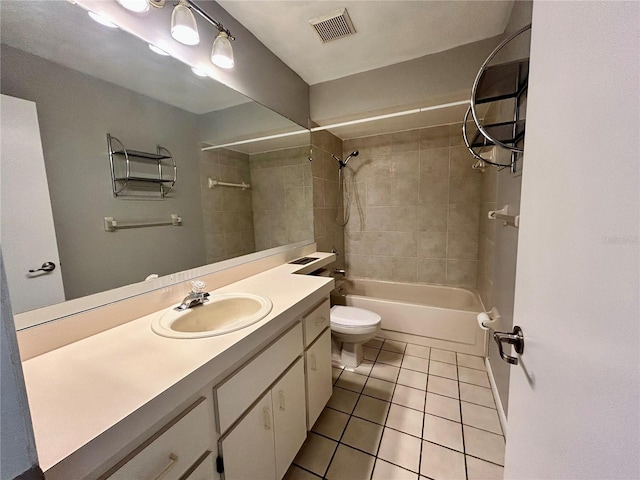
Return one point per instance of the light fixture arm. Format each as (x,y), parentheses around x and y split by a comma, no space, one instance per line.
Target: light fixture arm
(208,18)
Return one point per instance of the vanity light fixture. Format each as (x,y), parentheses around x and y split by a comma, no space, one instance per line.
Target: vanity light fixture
(222,52)
(185,30)
(157,50)
(102,20)
(136,6)
(198,72)
(183,24)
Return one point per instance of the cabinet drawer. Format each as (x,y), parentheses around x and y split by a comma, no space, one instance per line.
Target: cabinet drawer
(318,369)
(315,322)
(203,470)
(171,451)
(237,393)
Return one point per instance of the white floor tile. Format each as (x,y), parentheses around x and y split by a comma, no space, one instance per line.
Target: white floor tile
(400,449)
(480,470)
(441,369)
(370,353)
(331,423)
(409,397)
(470,361)
(443,406)
(374,343)
(481,417)
(443,432)
(296,473)
(405,419)
(351,381)
(476,394)
(343,400)
(351,464)
(386,471)
(363,435)
(417,351)
(335,373)
(363,369)
(415,363)
(390,358)
(378,388)
(485,445)
(441,463)
(443,356)
(442,386)
(476,377)
(394,346)
(372,409)
(385,372)
(316,454)
(412,378)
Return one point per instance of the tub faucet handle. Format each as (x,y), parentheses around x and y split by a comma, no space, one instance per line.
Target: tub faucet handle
(339,271)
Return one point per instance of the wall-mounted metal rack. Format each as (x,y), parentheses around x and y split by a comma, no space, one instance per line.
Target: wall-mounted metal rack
(123,179)
(497,83)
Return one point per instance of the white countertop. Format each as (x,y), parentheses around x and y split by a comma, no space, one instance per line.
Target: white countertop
(79,391)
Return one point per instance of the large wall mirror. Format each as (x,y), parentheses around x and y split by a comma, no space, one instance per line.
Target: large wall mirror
(88,81)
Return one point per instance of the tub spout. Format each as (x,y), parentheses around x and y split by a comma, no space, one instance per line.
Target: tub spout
(339,271)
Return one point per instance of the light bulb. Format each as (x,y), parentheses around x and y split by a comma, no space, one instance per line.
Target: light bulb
(137,6)
(198,72)
(102,20)
(183,25)
(222,52)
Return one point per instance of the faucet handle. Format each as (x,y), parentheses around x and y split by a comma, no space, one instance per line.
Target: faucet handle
(197,286)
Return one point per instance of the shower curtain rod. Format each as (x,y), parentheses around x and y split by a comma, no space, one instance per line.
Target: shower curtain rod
(343,124)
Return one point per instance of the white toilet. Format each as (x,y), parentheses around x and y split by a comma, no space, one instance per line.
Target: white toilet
(350,328)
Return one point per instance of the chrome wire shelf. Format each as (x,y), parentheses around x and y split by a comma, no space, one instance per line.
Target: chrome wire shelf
(497,83)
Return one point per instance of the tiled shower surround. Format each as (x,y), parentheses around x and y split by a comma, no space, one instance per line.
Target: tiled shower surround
(282,197)
(228,215)
(327,233)
(417,211)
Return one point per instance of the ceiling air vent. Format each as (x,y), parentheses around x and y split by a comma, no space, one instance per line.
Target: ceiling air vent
(333,26)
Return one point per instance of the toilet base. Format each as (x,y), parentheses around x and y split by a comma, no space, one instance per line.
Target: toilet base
(348,355)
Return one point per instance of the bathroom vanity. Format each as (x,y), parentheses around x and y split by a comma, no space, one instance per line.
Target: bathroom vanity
(128,403)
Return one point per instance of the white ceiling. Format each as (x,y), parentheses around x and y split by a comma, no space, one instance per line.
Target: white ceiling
(388,32)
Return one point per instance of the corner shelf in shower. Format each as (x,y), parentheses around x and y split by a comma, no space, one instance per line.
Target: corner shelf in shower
(124,182)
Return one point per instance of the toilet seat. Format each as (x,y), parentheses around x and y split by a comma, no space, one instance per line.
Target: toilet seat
(354,320)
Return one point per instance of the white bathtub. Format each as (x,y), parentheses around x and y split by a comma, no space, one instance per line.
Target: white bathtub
(440,317)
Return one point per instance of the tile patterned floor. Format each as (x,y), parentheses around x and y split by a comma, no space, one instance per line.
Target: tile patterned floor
(407,412)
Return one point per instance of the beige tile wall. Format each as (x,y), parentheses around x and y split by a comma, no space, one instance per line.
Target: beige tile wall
(282,189)
(327,203)
(419,212)
(228,214)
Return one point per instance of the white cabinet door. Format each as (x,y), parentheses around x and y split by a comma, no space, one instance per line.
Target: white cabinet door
(318,369)
(248,449)
(289,416)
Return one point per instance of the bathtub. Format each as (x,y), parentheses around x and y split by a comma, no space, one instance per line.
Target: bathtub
(430,315)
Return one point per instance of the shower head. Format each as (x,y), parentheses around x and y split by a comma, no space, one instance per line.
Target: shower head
(352,154)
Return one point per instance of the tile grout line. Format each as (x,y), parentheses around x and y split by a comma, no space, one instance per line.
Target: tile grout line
(424,413)
(464,447)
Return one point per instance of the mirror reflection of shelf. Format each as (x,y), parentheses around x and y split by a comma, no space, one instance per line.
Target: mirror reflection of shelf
(123,159)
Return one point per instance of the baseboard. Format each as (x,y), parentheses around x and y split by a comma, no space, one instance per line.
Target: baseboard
(496,396)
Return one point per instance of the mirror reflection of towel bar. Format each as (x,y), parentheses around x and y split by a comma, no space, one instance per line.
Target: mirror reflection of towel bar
(111,225)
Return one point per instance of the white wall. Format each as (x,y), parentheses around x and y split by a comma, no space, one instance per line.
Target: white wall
(578,281)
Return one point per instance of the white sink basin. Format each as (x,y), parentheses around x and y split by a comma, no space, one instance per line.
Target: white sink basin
(223,313)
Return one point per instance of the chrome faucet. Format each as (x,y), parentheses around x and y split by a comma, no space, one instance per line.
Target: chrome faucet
(196,297)
(339,271)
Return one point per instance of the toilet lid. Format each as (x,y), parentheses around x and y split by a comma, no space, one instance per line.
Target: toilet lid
(353,316)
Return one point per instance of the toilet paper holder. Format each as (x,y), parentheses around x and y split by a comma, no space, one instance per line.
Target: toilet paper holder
(489,319)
